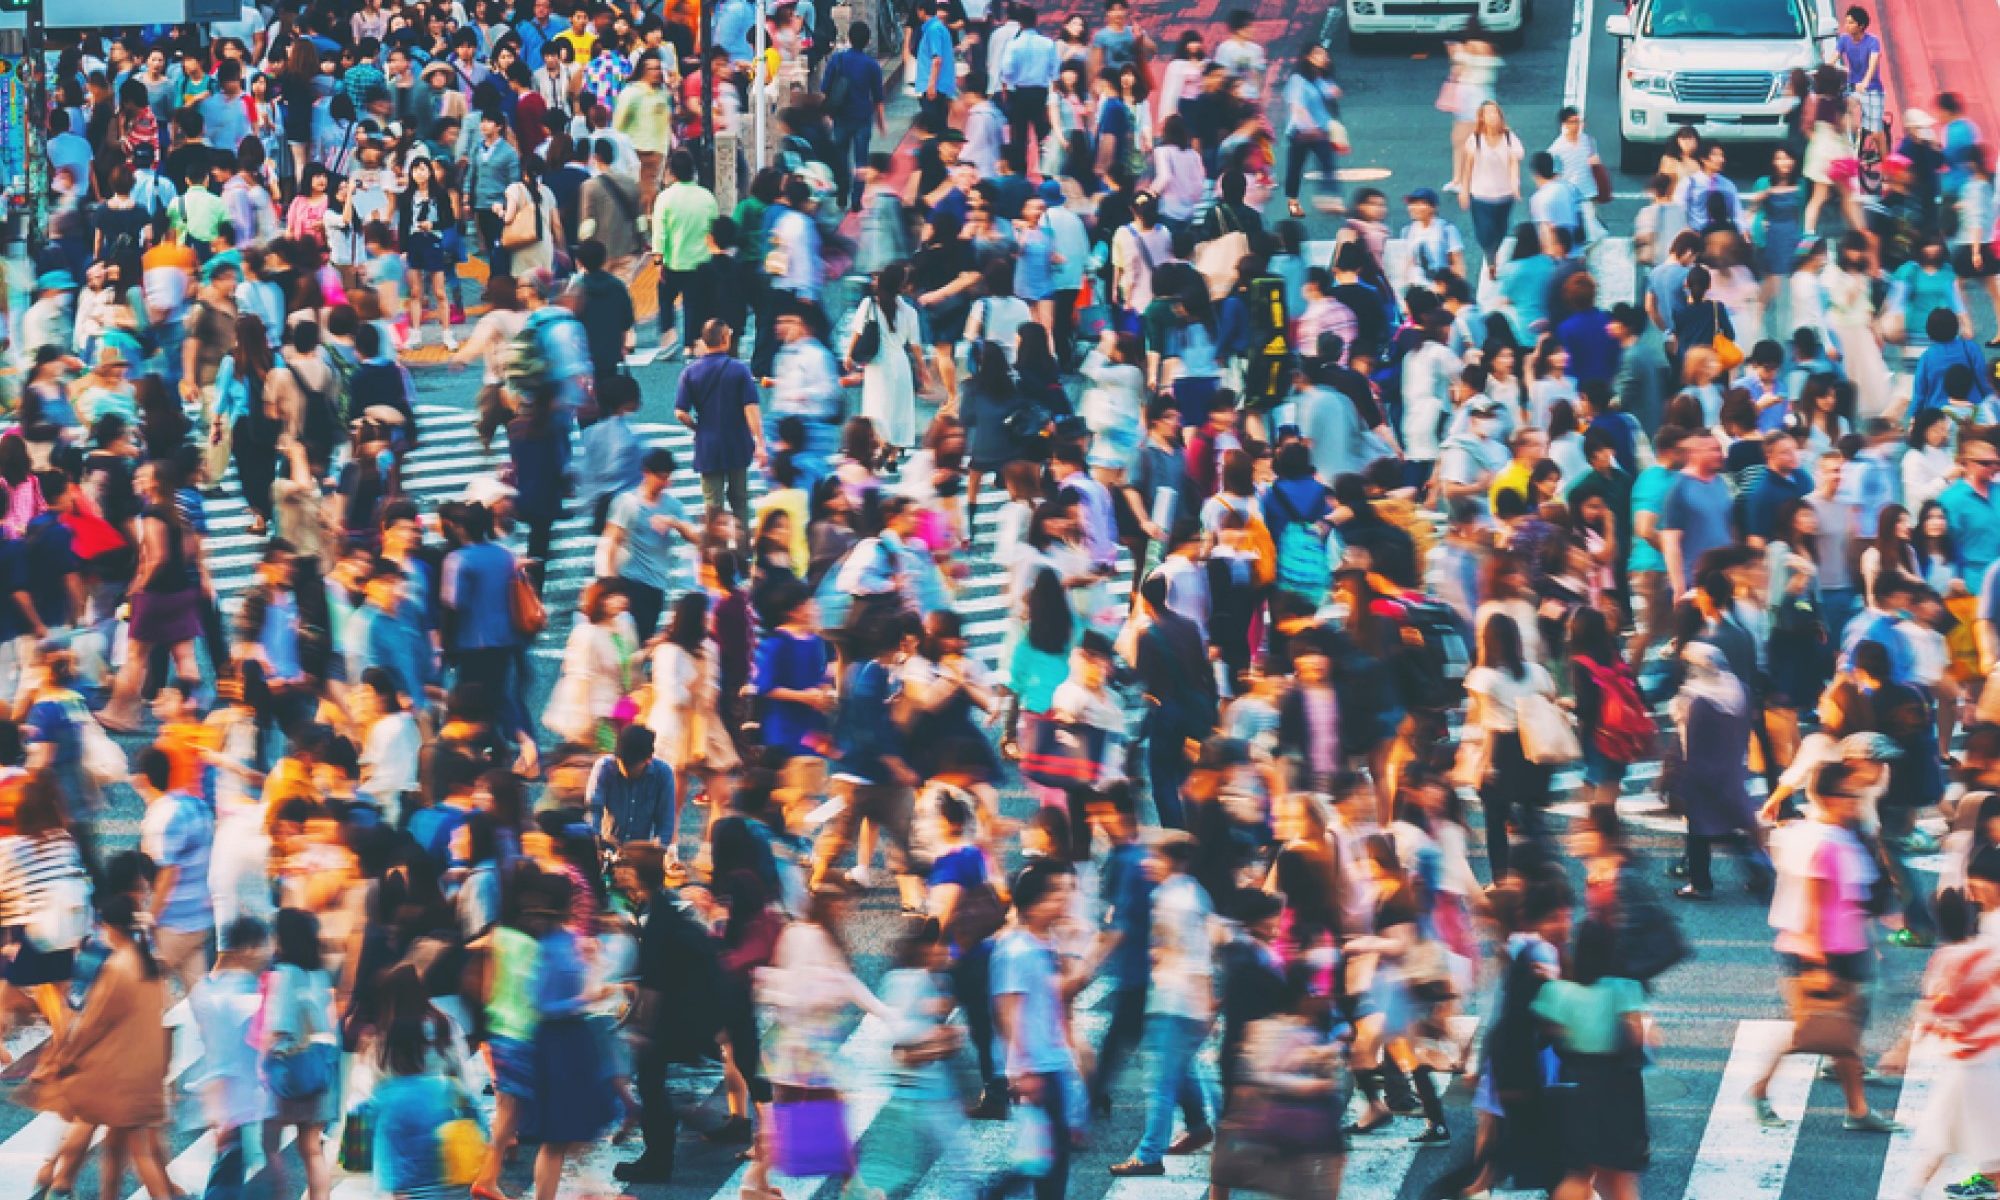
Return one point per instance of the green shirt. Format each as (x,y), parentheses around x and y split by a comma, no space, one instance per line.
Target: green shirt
(199,214)
(516,963)
(749,216)
(1649,493)
(1590,1020)
(681,220)
(646,115)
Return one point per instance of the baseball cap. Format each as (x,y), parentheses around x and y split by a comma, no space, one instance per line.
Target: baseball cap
(1422,196)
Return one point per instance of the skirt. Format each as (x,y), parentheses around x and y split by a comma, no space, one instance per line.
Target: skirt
(30,967)
(1603,1112)
(573,1102)
(513,1067)
(166,618)
(425,252)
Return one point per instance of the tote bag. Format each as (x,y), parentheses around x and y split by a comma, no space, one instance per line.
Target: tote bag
(1547,737)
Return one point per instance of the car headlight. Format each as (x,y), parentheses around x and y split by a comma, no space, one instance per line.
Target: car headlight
(1363,8)
(1499,6)
(1658,83)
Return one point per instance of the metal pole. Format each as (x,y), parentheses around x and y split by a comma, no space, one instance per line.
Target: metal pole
(707,69)
(34,134)
(761,94)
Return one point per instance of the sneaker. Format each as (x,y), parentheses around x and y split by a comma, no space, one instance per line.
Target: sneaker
(1870,1077)
(1760,1107)
(1870,1122)
(450,342)
(859,877)
(1432,1135)
(1977,1187)
(1133,1167)
(641,1170)
(1910,939)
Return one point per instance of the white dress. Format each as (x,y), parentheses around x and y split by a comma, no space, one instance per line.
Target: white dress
(888,387)
(1850,316)
(685,721)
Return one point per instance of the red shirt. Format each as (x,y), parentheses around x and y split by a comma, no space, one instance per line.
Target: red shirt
(531,120)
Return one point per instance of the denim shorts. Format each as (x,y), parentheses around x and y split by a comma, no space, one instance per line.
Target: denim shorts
(1599,769)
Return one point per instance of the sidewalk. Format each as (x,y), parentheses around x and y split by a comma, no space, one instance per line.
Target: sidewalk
(1934,46)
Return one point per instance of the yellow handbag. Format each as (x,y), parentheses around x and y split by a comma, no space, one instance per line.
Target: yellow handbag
(1726,350)
(462,1149)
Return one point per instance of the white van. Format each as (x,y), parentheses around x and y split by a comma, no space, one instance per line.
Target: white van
(1505,19)
(1717,65)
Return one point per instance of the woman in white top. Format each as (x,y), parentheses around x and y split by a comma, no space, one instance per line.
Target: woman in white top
(889,380)
(685,719)
(1489,180)
(1850,317)
(1495,687)
(391,745)
(1180,81)
(540,255)
(1929,466)
(596,669)
(491,344)
(1179,178)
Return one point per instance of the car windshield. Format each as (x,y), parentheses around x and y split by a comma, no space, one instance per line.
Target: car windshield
(1725,19)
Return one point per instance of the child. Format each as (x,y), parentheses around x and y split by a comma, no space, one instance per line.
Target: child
(224,1004)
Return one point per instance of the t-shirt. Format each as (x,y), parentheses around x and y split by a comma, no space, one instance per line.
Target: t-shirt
(475,586)
(177,831)
(650,555)
(1023,965)
(1590,1019)
(1855,54)
(1183,951)
(1700,512)
(1649,493)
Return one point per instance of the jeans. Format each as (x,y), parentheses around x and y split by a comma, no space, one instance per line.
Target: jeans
(1837,606)
(1167,769)
(1065,326)
(647,602)
(490,228)
(1298,149)
(1171,1045)
(1054,1102)
(1489,224)
(972,985)
(850,154)
(1121,1037)
(1897,822)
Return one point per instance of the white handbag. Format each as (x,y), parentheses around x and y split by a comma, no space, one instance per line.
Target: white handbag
(1548,739)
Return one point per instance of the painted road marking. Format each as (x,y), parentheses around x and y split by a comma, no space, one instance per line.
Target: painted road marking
(1739,1158)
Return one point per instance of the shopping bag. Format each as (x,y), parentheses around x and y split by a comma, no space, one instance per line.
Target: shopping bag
(1547,737)
(1033,1151)
(1826,1014)
(810,1138)
(1062,754)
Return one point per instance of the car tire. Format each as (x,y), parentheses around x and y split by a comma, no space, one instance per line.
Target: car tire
(1637,158)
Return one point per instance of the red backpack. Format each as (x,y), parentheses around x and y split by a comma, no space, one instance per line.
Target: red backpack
(1625,730)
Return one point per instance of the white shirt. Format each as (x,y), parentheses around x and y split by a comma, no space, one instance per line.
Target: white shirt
(1496,167)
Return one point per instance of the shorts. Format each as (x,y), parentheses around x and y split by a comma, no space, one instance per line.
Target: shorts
(1871,109)
(1654,604)
(1601,770)
(513,1066)
(1961,262)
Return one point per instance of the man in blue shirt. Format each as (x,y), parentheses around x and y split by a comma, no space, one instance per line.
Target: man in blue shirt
(630,795)
(176,834)
(1972,508)
(1783,481)
(1879,623)
(536,32)
(476,589)
(1028,1017)
(718,400)
(735,21)
(1126,896)
(1694,518)
(851,81)
(381,634)
(641,524)
(872,773)
(936,68)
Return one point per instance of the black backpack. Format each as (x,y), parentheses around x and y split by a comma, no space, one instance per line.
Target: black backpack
(1434,662)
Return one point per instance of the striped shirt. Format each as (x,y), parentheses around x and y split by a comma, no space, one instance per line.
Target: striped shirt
(1962,994)
(178,831)
(28,865)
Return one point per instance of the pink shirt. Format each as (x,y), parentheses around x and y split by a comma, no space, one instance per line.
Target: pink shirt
(1843,925)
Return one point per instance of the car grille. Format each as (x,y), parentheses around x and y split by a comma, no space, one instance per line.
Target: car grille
(1430,10)
(1723,87)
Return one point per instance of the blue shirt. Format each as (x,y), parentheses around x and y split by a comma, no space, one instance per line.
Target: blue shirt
(1771,494)
(280,637)
(735,21)
(396,644)
(1700,512)
(794,663)
(864,86)
(177,832)
(1854,55)
(1873,626)
(718,391)
(1927,389)
(934,46)
(649,552)
(1025,966)
(864,731)
(1031,61)
(477,579)
(1975,528)
(535,37)
(1127,896)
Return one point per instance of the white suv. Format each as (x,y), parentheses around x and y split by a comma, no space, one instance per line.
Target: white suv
(1372,18)
(1717,65)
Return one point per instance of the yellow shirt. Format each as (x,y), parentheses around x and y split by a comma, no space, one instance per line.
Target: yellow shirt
(584,43)
(792,502)
(1511,478)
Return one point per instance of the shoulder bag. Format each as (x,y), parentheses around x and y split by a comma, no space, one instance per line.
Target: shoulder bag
(1726,349)
(524,228)
(868,342)
(1547,737)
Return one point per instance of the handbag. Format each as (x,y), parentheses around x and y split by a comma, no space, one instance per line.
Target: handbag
(809,1138)
(1475,753)
(1726,350)
(1447,97)
(1064,754)
(301,1073)
(1427,971)
(1826,1014)
(357,1140)
(1547,737)
(868,342)
(524,228)
(524,606)
(978,915)
(1032,1154)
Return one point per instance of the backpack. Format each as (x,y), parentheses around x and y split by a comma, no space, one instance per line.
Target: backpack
(1435,656)
(1263,551)
(528,368)
(1625,731)
(1302,559)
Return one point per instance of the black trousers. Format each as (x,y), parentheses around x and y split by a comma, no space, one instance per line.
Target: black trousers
(674,285)
(541,540)
(1027,123)
(647,604)
(490,226)
(1514,787)
(659,1122)
(972,987)
(1065,327)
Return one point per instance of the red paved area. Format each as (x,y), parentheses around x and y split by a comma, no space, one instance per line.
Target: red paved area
(1942,45)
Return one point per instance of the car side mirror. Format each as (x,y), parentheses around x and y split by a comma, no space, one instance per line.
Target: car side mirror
(1618,25)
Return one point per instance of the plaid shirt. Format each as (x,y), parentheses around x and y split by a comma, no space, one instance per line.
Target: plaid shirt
(364,81)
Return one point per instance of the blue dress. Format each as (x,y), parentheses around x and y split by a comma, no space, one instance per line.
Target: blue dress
(574,1101)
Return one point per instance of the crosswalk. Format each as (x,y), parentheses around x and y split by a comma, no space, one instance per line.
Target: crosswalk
(450,457)
(1735,1158)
